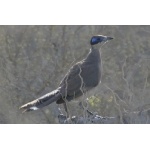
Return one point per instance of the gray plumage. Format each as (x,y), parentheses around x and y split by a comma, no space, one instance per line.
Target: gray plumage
(82,77)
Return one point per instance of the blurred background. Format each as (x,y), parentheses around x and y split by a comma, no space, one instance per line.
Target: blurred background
(34,59)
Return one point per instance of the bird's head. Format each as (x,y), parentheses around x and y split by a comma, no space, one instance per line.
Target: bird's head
(99,39)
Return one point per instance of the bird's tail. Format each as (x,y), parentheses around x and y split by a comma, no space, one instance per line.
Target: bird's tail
(42,101)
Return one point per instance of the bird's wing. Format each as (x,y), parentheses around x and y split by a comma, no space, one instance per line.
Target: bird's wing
(71,74)
(76,80)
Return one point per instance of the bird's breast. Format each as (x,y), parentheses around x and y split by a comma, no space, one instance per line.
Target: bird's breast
(91,75)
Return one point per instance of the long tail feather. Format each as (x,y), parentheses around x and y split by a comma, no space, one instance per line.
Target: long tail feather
(42,101)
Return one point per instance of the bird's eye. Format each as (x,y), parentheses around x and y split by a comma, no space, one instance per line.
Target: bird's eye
(95,40)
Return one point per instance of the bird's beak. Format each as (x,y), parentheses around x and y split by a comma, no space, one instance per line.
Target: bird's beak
(107,38)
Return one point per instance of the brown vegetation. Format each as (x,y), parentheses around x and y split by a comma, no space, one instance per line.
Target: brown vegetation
(34,59)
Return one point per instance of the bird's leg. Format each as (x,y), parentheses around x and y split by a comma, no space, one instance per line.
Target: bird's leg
(86,108)
(64,118)
(61,117)
(67,112)
(89,112)
(66,109)
(59,110)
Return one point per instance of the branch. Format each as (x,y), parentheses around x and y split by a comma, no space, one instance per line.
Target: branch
(94,119)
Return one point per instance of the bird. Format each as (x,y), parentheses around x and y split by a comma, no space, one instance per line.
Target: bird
(79,80)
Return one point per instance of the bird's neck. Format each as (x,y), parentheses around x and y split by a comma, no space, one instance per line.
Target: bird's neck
(94,55)
(96,47)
